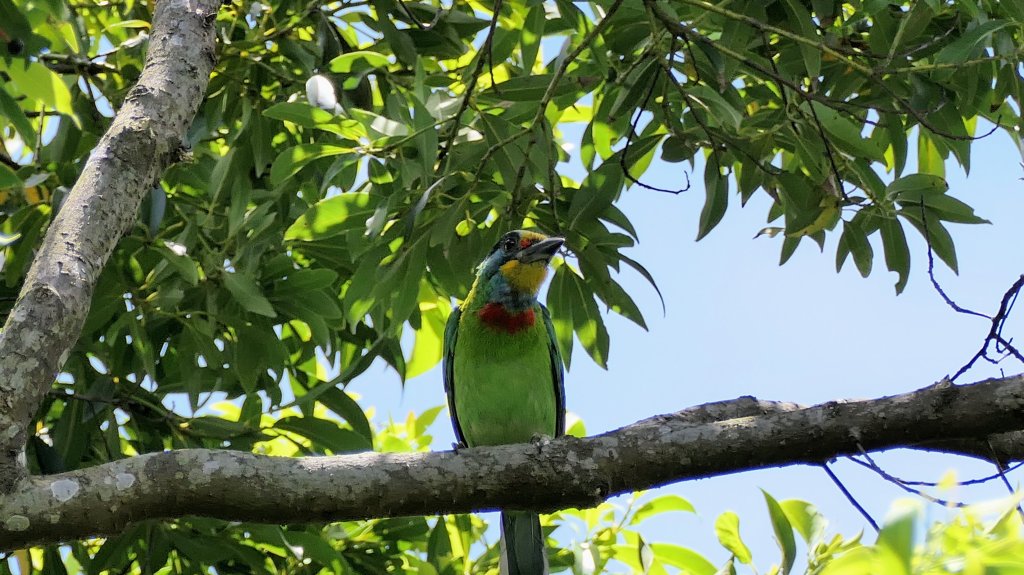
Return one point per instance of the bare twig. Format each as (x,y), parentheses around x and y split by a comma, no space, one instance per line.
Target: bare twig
(556,77)
(633,122)
(975,481)
(814,115)
(68,64)
(931,271)
(764,27)
(870,464)
(995,332)
(849,496)
(444,154)
(1002,475)
(874,76)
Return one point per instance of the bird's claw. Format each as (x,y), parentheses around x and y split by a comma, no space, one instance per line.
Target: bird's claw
(540,441)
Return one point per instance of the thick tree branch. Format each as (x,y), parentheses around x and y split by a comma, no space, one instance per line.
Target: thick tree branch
(708,440)
(141,142)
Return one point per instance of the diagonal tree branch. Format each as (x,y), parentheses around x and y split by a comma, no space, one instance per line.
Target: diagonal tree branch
(713,439)
(144,138)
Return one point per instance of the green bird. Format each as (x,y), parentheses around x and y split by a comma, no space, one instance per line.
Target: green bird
(503,372)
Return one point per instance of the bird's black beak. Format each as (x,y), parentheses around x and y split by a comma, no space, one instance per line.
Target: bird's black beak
(541,251)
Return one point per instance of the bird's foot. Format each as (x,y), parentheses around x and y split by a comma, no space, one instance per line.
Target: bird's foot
(540,441)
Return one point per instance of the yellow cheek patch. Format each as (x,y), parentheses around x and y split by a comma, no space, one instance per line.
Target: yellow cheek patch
(525,277)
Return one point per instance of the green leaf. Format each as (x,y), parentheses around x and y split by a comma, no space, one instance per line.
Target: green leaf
(309,547)
(427,346)
(916,183)
(561,313)
(358,60)
(727,529)
(8,178)
(325,434)
(897,254)
(217,427)
(619,301)
(647,276)
(305,280)
(247,293)
(289,162)
(937,235)
(847,134)
(857,561)
(659,505)
(929,160)
(530,38)
(897,533)
(39,83)
(533,88)
(13,112)
(333,216)
(225,175)
(340,402)
(719,110)
(945,207)
(854,241)
(300,113)
(381,125)
(783,532)
(586,318)
(966,46)
(804,517)
(716,189)
(688,560)
(634,88)
(803,20)
(600,188)
(897,141)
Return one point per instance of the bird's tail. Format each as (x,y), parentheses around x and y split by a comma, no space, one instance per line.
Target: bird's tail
(522,544)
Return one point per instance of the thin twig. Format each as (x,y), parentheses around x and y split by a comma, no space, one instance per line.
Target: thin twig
(556,77)
(975,481)
(814,114)
(816,44)
(849,497)
(896,481)
(931,271)
(995,332)
(1002,475)
(444,154)
(633,122)
(874,76)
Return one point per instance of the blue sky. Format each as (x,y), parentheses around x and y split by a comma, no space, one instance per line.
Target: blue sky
(739,324)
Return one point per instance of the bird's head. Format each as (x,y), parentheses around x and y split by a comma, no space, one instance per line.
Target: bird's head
(516,267)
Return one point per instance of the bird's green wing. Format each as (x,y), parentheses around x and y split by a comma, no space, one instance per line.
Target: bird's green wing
(451,334)
(557,373)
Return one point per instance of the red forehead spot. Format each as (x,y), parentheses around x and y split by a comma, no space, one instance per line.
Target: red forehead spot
(525,243)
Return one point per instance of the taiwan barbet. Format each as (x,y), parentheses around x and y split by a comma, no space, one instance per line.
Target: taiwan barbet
(503,372)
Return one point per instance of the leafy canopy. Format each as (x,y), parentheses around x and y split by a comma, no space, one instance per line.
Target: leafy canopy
(302,242)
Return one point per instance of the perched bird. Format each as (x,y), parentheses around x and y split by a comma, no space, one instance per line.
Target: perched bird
(503,372)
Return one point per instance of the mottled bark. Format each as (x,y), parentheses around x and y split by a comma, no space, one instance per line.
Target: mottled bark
(142,141)
(705,441)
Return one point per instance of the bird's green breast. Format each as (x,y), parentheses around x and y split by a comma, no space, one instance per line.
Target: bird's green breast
(504,391)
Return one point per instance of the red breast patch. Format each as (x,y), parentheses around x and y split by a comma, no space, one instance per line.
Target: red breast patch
(496,316)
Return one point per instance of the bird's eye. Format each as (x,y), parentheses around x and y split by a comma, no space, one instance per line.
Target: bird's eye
(509,244)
